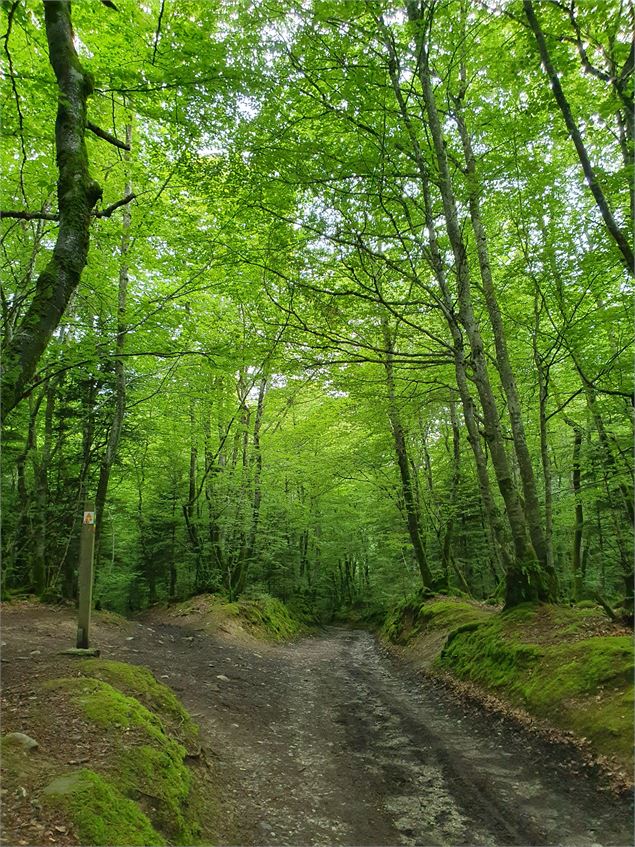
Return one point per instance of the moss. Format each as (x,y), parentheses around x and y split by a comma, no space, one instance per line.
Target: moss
(100,814)
(262,616)
(139,682)
(104,705)
(112,619)
(482,656)
(608,724)
(159,779)
(152,771)
(269,617)
(584,685)
(586,604)
(19,764)
(413,616)
(554,661)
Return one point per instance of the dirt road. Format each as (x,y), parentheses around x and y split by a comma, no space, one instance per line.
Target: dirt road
(329,741)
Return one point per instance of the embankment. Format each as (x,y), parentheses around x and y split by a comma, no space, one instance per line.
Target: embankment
(569,666)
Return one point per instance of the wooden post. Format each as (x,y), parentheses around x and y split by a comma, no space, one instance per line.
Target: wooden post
(86,550)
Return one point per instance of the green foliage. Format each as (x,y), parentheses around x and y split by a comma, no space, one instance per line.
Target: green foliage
(279,227)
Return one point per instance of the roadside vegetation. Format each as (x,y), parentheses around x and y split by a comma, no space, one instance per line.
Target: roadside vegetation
(570,665)
(261,616)
(311,311)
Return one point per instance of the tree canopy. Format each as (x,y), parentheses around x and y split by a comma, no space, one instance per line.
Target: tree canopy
(327,300)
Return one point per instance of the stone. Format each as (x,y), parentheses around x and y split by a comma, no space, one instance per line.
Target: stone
(19,739)
(64,784)
(222,677)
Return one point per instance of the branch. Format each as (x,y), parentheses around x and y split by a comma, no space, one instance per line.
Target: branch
(30,216)
(15,94)
(107,212)
(50,216)
(106,136)
(158,32)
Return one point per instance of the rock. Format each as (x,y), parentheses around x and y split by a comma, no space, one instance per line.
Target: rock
(222,677)
(19,739)
(64,784)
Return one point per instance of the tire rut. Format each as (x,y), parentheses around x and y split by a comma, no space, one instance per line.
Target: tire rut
(329,741)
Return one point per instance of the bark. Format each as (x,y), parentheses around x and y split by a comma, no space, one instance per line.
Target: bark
(77,193)
(543,391)
(525,580)
(239,577)
(610,466)
(188,508)
(449,560)
(411,505)
(531,505)
(616,233)
(172,563)
(21,543)
(576,560)
(119,411)
(498,546)
(41,465)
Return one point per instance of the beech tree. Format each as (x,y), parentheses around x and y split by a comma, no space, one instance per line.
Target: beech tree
(365,328)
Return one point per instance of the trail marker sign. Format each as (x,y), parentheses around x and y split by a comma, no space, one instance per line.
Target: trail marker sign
(86,553)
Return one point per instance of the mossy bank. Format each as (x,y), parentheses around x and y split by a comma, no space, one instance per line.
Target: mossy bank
(567,665)
(132,785)
(262,617)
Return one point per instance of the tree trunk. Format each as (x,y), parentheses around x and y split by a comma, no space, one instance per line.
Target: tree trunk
(411,506)
(576,560)
(543,392)
(498,546)
(239,578)
(119,411)
(525,580)
(531,505)
(77,193)
(616,233)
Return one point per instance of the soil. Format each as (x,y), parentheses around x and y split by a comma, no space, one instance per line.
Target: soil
(330,740)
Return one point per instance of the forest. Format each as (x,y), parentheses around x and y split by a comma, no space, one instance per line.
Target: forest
(317,341)
(328,301)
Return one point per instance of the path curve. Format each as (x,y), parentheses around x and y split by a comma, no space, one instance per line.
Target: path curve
(329,741)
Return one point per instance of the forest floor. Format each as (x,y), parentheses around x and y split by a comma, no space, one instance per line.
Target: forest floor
(327,740)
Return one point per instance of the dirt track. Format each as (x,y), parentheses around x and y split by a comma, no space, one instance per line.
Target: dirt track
(329,741)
